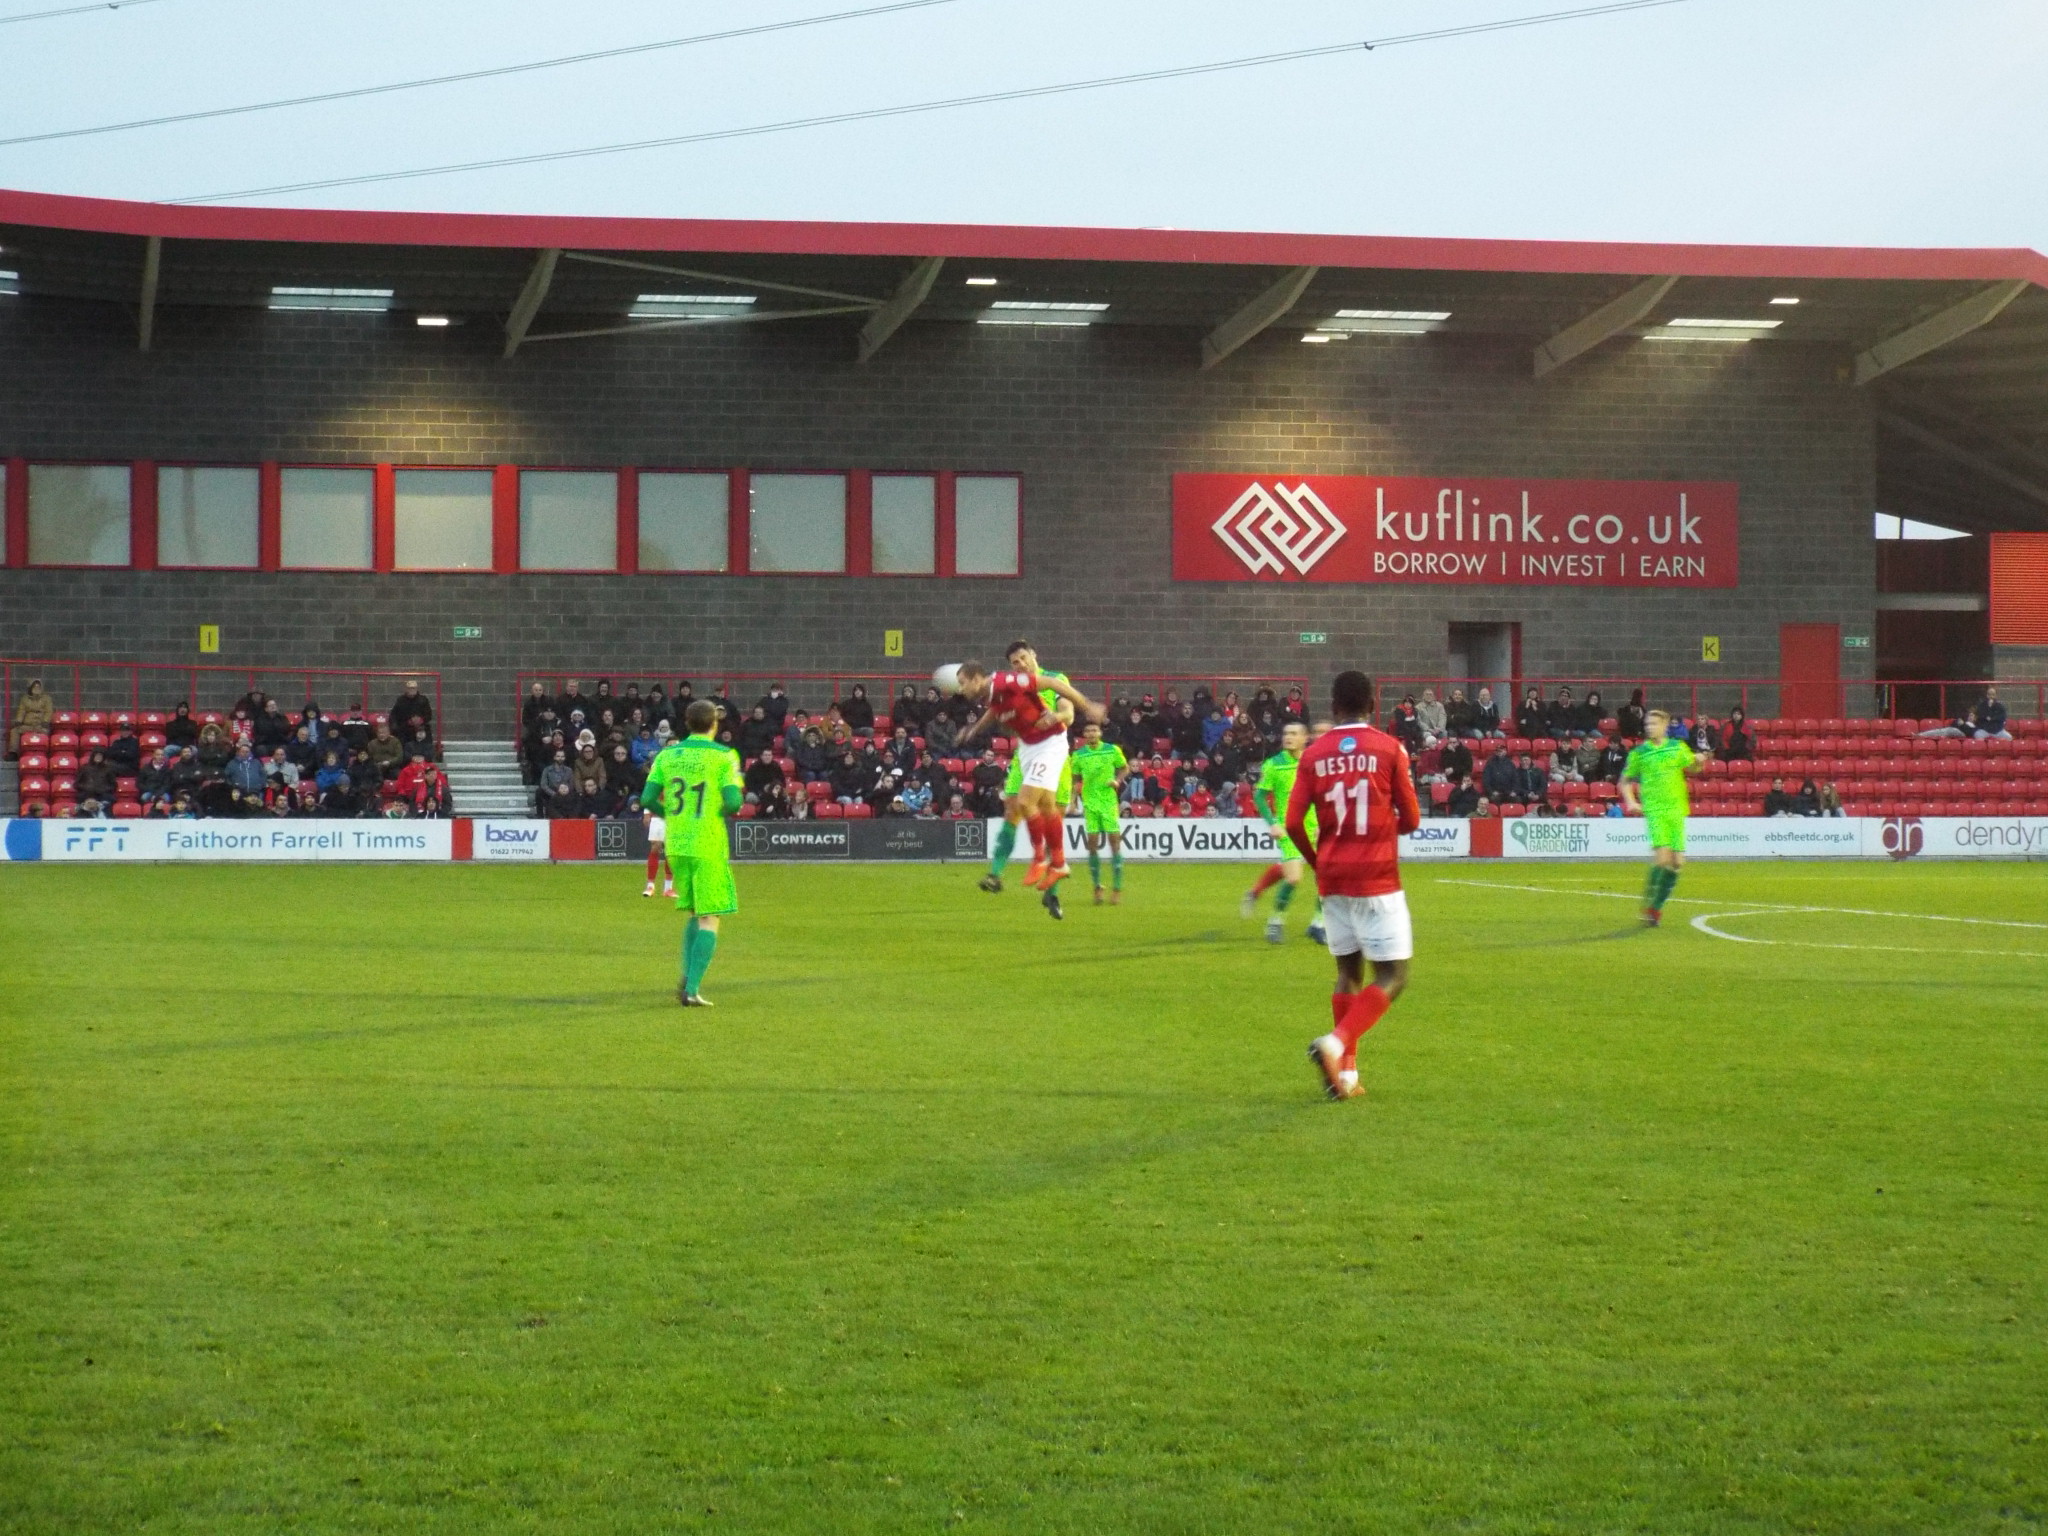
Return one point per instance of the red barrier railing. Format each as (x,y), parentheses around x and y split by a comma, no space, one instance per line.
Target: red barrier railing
(814,690)
(1935,700)
(139,685)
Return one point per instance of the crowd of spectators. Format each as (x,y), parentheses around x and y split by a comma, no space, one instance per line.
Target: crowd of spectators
(256,759)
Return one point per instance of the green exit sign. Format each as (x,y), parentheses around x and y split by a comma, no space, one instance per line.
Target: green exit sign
(1314,637)
(469,631)
(1855,642)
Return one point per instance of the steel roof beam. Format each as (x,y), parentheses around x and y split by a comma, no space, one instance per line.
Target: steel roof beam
(692,322)
(721,277)
(531,297)
(1270,306)
(1969,459)
(910,293)
(152,268)
(1980,308)
(1610,319)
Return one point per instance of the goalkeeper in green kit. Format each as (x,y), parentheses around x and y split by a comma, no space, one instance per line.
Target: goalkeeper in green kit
(694,785)
(1100,768)
(1653,782)
(1275,788)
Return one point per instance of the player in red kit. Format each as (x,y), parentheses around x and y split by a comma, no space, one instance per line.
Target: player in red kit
(1357,780)
(1016,701)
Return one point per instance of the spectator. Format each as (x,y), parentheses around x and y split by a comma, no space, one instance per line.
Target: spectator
(270,729)
(315,723)
(33,711)
(1406,726)
(1486,714)
(1134,735)
(604,699)
(1266,718)
(537,704)
(860,711)
(833,727)
(245,776)
(850,782)
(571,699)
(1991,718)
(280,772)
(1963,729)
(645,747)
(330,771)
(1292,708)
(623,780)
(904,748)
(1459,716)
(956,808)
(181,730)
(609,732)
(1214,726)
(430,795)
(153,785)
(1613,758)
(757,732)
(1454,760)
(1589,761)
(1591,714)
(214,750)
(1737,745)
(124,749)
(421,744)
(1561,719)
(905,711)
(588,768)
(986,798)
(961,711)
(364,778)
(762,774)
(658,709)
(354,728)
(774,705)
(1498,779)
(772,804)
(941,736)
(1831,800)
(94,784)
(385,752)
(1807,802)
(1628,720)
(411,710)
(1434,717)
(793,732)
(1529,719)
(1778,803)
(916,798)
(1532,784)
(810,756)
(1464,800)
(557,799)
(1184,730)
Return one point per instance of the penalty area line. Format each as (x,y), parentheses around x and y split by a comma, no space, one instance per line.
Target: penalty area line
(1728,906)
(1706,920)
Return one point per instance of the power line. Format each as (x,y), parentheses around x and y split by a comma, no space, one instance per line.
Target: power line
(77,10)
(871,114)
(474,74)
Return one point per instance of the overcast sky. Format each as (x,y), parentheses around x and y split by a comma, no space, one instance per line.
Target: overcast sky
(1882,122)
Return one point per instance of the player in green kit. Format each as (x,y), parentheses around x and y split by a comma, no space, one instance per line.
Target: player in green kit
(1023,657)
(694,785)
(1653,781)
(1276,784)
(1100,768)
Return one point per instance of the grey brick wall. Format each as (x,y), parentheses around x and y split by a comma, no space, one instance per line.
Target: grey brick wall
(1095,420)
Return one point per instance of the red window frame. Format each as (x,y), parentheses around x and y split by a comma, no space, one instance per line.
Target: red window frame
(155,468)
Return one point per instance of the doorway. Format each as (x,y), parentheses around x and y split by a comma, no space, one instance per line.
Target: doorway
(1486,656)
(1810,671)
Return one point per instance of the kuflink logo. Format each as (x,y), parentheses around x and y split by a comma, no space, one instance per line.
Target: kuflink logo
(1903,836)
(1270,530)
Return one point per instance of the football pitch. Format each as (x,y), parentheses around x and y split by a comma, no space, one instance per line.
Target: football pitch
(407,1199)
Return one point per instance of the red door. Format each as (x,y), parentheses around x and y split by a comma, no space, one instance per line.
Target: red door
(1810,671)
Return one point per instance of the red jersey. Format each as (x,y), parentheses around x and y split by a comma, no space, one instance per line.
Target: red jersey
(1357,780)
(1014,697)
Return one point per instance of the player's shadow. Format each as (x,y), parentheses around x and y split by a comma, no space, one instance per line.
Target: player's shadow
(1633,931)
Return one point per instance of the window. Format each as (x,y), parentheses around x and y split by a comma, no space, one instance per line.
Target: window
(568,520)
(985,525)
(78,514)
(683,522)
(442,520)
(326,519)
(207,517)
(905,523)
(797,523)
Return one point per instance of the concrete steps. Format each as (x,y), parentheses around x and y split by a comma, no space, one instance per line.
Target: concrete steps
(484,778)
(10,789)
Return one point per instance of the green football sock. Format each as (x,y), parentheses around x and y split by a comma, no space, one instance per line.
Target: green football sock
(1006,844)
(1653,883)
(689,938)
(1095,868)
(1116,868)
(703,944)
(1285,898)
(1670,884)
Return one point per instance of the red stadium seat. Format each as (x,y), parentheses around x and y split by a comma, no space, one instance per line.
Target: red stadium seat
(127,810)
(126,787)
(859,812)
(63,762)
(92,717)
(62,784)
(34,741)
(65,717)
(90,739)
(34,762)
(63,809)
(747,812)
(66,740)
(818,790)
(152,718)
(830,810)
(153,739)
(34,786)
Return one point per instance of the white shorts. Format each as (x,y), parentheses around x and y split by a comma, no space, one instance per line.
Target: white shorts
(1043,761)
(1378,925)
(655,830)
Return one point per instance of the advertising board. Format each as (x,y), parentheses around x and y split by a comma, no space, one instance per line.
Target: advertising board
(246,841)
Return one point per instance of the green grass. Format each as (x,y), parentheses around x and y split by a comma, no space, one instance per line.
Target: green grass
(407,1200)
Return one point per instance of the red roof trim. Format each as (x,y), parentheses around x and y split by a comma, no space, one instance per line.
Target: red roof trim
(1010,241)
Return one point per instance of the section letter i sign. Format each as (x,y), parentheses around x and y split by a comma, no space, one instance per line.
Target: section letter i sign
(209,639)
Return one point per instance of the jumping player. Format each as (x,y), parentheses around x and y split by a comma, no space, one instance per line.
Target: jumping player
(1357,781)
(1276,783)
(1016,701)
(695,783)
(1100,768)
(1653,782)
(1022,657)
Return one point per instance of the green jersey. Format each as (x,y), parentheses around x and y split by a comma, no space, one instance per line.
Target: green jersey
(1660,768)
(694,784)
(1095,770)
(1276,787)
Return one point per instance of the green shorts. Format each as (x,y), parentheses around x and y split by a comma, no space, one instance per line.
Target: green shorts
(1283,845)
(1101,818)
(1666,831)
(1014,781)
(704,886)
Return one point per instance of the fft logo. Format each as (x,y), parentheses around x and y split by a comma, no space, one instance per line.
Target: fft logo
(1903,836)
(1264,528)
(88,839)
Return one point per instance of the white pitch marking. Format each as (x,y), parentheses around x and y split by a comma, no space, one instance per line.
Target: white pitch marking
(1702,901)
(1704,923)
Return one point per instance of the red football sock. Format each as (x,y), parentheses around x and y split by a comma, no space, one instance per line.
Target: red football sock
(1364,1012)
(653,863)
(1272,876)
(1340,1004)
(1053,828)
(1036,828)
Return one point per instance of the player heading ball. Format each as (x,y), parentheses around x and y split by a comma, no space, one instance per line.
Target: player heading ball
(1356,780)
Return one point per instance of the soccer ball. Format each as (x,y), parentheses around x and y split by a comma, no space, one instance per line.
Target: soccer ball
(947,678)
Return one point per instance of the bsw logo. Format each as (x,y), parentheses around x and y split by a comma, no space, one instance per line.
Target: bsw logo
(1266,528)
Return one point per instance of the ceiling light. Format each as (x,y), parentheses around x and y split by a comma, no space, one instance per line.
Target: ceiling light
(371,300)
(10,282)
(1786,299)
(1393,314)
(689,306)
(1385,322)
(1728,325)
(1698,329)
(1316,338)
(1040,312)
(981,282)
(435,321)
